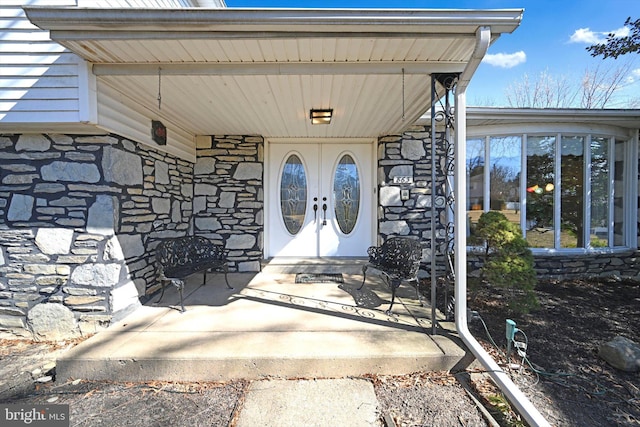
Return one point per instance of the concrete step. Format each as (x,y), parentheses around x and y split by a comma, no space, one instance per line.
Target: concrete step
(267,326)
(219,356)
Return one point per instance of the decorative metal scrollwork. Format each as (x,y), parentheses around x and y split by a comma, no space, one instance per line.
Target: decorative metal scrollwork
(442,244)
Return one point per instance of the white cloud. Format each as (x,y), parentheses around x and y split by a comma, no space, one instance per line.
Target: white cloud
(505,60)
(585,35)
(634,76)
(622,32)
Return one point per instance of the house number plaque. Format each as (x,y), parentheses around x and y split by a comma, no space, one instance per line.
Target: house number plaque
(403,180)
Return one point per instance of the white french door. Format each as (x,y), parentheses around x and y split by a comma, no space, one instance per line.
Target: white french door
(320,199)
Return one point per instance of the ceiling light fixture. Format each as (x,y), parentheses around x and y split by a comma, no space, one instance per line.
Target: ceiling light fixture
(320,117)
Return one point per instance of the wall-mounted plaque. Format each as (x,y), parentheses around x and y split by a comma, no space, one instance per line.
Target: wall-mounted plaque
(158,132)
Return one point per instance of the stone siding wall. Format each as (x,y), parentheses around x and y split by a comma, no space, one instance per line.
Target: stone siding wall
(229,197)
(409,155)
(79,218)
(559,266)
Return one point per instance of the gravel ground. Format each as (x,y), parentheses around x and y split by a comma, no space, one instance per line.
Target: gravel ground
(414,400)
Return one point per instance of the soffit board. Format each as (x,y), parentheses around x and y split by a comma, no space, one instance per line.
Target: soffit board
(247,71)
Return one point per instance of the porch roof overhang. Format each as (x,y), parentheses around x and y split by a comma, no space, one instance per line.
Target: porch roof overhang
(260,71)
(621,123)
(484,116)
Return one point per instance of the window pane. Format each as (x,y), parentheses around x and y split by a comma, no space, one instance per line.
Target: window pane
(504,176)
(572,196)
(293,194)
(599,192)
(618,196)
(346,194)
(540,190)
(475,179)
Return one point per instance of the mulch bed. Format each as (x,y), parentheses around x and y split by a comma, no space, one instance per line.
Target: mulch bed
(155,403)
(564,376)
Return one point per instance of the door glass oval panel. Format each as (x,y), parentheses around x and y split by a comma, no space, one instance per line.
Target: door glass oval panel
(293,194)
(346,193)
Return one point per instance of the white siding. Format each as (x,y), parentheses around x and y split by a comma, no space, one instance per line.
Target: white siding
(119,114)
(44,87)
(39,79)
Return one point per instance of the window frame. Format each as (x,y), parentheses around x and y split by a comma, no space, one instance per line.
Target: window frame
(629,196)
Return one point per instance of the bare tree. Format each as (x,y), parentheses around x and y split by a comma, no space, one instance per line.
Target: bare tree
(545,91)
(596,89)
(599,86)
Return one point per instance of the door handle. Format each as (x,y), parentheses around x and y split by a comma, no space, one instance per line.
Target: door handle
(315,209)
(324,211)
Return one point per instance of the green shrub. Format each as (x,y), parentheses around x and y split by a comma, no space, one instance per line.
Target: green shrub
(508,262)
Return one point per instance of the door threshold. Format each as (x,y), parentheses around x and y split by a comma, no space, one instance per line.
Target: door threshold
(294,265)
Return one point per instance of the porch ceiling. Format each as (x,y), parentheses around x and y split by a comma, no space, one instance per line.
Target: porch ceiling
(248,71)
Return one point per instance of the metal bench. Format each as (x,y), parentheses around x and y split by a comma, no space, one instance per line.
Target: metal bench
(181,257)
(398,260)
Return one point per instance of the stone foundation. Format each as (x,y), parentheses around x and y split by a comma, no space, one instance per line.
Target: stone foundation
(567,266)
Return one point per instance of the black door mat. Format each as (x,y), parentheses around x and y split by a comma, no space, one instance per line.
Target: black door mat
(319,278)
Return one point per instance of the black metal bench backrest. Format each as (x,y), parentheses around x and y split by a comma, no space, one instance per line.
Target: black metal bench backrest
(402,255)
(188,250)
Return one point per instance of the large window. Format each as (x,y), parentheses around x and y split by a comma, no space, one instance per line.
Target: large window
(572,195)
(600,192)
(541,173)
(619,202)
(573,191)
(505,170)
(475,179)
(495,186)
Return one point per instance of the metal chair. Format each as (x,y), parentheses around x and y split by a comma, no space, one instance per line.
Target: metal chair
(398,260)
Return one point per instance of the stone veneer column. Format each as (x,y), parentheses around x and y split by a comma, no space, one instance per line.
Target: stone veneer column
(80,217)
(408,155)
(228,199)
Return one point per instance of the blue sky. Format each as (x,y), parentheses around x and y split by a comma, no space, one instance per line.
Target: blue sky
(551,39)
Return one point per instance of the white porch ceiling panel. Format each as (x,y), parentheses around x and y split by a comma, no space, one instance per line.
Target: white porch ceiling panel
(260,71)
(278,106)
(447,49)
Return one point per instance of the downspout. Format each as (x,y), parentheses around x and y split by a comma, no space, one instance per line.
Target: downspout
(512,392)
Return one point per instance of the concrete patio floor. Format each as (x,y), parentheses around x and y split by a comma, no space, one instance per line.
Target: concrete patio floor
(267,326)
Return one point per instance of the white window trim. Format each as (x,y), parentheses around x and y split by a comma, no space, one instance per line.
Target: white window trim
(586,207)
(630,189)
(631,192)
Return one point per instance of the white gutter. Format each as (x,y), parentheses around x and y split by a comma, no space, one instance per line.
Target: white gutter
(513,393)
(210,4)
(270,23)
(618,117)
